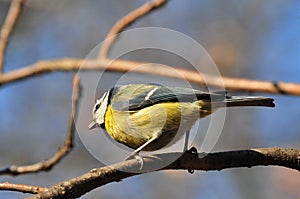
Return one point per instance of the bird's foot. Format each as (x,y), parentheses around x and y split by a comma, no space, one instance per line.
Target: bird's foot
(136,156)
(194,152)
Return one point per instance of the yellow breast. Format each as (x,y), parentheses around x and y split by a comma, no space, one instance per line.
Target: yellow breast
(115,131)
(134,128)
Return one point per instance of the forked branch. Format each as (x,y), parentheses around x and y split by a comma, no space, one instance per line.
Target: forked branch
(46,165)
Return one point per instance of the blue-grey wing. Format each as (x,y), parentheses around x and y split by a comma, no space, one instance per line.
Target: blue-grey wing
(154,94)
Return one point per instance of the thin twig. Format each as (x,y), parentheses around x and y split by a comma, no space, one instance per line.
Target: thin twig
(7,186)
(230,83)
(80,185)
(46,165)
(124,22)
(10,21)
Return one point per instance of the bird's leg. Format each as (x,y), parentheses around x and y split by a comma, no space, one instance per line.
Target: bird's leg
(192,150)
(186,141)
(135,153)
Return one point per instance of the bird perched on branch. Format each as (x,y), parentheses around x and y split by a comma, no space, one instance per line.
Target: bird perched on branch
(149,117)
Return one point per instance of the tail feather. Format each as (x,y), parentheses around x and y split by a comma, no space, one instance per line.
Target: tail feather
(238,101)
(249,101)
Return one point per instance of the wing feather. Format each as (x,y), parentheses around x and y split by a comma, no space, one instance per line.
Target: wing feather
(144,95)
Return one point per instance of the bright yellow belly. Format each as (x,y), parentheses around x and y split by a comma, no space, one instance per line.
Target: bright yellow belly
(134,128)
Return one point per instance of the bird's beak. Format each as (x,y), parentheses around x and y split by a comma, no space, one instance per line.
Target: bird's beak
(92,125)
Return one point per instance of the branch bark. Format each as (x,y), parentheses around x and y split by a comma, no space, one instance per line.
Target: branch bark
(230,83)
(6,186)
(80,185)
(8,25)
(46,165)
(126,21)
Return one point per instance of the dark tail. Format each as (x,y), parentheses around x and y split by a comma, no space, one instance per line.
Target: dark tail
(236,101)
(249,101)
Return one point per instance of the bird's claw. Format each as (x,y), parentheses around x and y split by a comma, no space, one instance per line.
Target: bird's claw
(193,151)
(137,157)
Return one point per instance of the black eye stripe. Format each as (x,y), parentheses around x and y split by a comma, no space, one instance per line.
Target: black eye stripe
(103,100)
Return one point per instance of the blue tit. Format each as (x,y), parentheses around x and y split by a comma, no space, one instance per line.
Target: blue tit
(148,117)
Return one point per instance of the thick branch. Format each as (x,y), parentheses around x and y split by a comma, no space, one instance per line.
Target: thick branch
(6,186)
(11,18)
(125,21)
(80,185)
(63,151)
(238,84)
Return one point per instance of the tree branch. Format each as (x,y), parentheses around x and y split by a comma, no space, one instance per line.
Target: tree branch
(6,186)
(63,151)
(126,21)
(230,83)
(80,185)
(11,18)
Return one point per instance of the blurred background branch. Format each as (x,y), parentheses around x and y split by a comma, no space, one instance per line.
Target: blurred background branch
(46,165)
(7,27)
(230,83)
(126,21)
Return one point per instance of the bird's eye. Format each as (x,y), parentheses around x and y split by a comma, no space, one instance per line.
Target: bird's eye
(97,106)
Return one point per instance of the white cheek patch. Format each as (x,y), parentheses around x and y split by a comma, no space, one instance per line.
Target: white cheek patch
(100,113)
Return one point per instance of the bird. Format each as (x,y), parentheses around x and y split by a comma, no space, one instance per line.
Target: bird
(148,117)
